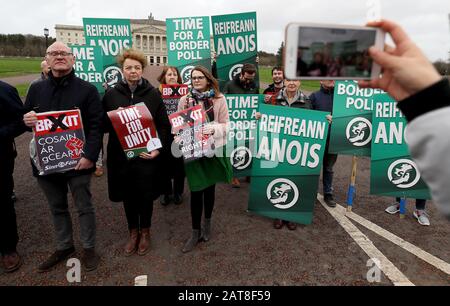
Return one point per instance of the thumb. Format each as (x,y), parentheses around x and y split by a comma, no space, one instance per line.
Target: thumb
(384,59)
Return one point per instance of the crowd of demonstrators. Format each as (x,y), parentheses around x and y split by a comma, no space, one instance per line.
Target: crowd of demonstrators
(64,91)
(242,84)
(135,182)
(175,165)
(203,174)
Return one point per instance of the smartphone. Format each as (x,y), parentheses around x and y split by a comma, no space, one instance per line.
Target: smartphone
(333,52)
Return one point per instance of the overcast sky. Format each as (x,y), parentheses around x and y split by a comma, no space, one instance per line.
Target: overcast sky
(427,22)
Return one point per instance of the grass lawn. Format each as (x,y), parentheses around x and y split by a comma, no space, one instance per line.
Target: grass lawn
(265,76)
(14,66)
(22,89)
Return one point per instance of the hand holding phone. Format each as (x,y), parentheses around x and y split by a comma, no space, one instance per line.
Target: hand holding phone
(321,52)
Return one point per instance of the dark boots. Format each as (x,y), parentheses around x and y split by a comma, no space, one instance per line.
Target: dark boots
(132,244)
(192,242)
(206,230)
(144,242)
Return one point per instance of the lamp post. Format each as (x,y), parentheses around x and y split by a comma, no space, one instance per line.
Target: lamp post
(46,38)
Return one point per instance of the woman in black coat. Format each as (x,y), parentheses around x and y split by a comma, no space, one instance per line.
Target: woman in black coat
(135,182)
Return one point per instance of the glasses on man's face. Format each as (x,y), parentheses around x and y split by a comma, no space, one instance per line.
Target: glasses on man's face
(198,78)
(59,53)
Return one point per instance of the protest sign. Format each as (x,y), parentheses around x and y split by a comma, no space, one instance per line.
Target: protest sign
(58,141)
(135,129)
(188,125)
(113,36)
(286,168)
(393,172)
(89,65)
(235,42)
(188,44)
(171,95)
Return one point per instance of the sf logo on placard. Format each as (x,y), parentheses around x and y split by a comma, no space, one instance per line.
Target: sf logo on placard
(282,193)
(359,131)
(186,74)
(403,173)
(241,158)
(112,76)
(235,70)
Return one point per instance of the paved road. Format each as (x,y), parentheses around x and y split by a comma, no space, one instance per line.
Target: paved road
(244,249)
(20,79)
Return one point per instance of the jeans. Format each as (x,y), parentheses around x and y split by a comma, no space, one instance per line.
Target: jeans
(8,224)
(55,189)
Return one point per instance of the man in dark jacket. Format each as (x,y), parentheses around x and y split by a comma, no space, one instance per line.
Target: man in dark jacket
(64,91)
(11,126)
(322,100)
(243,83)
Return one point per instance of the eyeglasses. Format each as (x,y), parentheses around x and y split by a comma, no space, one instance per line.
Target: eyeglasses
(199,78)
(61,53)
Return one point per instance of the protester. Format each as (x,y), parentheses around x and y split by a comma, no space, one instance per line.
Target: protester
(302,67)
(204,173)
(170,75)
(11,126)
(322,100)
(45,69)
(242,84)
(317,68)
(424,99)
(419,213)
(135,182)
(272,91)
(64,91)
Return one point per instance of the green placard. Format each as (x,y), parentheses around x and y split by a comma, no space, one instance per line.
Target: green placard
(113,36)
(235,42)
(89,65)
(188,44)
(286,168)
(351,130)
(241,136)
(393,172)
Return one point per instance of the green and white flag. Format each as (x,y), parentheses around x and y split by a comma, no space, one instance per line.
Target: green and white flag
(351,130)
(241,136)
(235,42)
(113,36)
(89,65)
(286,168)
(393,172)
(188,44)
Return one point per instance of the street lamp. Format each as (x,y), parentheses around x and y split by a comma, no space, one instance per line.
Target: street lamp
(46,38)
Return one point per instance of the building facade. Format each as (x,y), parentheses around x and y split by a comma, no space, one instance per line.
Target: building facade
(149,36)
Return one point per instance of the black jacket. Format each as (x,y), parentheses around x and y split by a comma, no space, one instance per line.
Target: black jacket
(70,92)
(11,119)
(235,87)
(136,179)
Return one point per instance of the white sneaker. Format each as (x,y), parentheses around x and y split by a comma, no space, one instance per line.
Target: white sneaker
(393,209)
(422,217)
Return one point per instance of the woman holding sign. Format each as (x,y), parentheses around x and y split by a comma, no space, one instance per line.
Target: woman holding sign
(135,181)
(204,173)
(171,76)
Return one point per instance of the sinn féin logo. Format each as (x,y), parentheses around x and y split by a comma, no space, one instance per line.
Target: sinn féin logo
(359,131)
(241,158)
(130,154)
(235,70)
(186,74)
(112,76)
(403,173)
(282,193)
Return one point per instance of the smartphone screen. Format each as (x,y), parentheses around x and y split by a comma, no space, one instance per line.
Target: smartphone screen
(334,52)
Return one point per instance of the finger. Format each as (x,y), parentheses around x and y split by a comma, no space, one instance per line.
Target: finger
(384,59)
(396,31)
(389,49)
